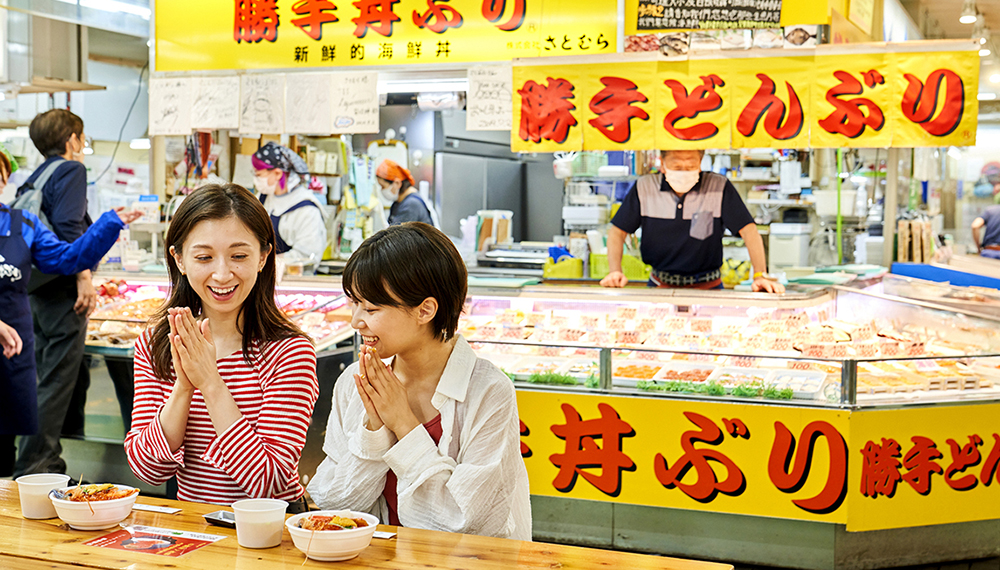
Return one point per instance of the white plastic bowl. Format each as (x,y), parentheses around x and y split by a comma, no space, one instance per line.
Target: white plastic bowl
(332,545)
(106,514)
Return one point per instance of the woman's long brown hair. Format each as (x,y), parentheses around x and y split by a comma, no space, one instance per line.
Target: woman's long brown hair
(260,318)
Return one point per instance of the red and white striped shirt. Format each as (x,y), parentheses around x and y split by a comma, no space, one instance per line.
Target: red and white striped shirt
(258,456)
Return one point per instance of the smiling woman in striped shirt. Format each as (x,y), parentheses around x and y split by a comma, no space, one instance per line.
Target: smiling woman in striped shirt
(225,384)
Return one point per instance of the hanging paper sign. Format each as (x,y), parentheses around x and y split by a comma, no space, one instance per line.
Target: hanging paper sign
(547,108)
(488,100)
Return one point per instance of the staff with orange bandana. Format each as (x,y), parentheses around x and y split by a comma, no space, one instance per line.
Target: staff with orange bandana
(398,188)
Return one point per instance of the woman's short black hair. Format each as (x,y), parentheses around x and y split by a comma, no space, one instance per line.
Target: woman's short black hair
(403,265)
(51,130)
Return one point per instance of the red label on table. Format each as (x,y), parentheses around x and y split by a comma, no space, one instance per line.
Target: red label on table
(152,540)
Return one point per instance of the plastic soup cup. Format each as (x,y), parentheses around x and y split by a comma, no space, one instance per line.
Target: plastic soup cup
(34,493)
(259,522)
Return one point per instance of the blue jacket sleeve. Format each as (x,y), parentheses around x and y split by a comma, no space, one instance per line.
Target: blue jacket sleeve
(65,201)
(52,255)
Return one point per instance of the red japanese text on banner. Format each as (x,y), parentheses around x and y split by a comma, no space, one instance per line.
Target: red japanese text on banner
(617,105)
(853,101)
(547,109)
(194,35)
(771,102)
(693,104)
(935,96)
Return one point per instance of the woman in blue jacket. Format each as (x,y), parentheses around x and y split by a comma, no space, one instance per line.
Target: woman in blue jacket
(25,240)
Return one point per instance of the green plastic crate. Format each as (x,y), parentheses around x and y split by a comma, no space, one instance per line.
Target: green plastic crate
(632,267)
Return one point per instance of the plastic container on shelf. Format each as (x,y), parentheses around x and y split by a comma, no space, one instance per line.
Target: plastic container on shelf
(632,267)
(567,268)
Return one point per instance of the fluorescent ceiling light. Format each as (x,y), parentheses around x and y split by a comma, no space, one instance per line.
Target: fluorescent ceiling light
(984,52)
(139,144)
(987,96)
(423,86)
(112,6)
(968,12)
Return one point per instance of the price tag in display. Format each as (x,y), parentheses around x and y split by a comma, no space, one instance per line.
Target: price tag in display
(864,332)
(488,331)
(571,335)
(647,324)
(692,340)
(772,327)
(660,312)
(798,320)
(926,365)
(825,335)
(588,321)
(915,349)
(701,357)
(617,324)
(743,361)
(721,340)
(559,321)
(513,332)
(782,343)
(627,337)
(701,324)
(836,350)
(890,348)
(866,349)
(676,323)
(814,350)
(625,312)
(799,365)
(756,342)
(601,337)
(536,319)
(549,335)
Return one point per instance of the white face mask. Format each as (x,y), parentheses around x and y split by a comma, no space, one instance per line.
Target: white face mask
(261,185)
(682,181)
(389,195)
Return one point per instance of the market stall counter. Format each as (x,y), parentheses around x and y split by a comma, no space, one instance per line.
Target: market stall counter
(792,430)
(50,543)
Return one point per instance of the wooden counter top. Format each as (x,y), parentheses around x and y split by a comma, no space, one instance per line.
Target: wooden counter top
(28,544)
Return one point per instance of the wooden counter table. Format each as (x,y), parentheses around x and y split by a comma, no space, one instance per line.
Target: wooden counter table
(29,544)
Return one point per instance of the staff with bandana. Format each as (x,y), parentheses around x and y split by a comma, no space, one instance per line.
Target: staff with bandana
(24,241)
(282,178)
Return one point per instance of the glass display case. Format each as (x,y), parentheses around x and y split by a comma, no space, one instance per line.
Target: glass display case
(835,347)
(126,303)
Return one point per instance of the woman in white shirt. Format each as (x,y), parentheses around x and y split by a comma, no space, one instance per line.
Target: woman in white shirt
(430,438)
(282,178)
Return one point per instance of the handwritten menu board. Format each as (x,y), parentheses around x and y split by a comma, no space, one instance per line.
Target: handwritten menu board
(170,106)
(355,103)
(488,107)
(262,104)
(308,105)
(214,105)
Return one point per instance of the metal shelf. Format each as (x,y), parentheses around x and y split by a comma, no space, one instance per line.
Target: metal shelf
(629,178)
(779,202)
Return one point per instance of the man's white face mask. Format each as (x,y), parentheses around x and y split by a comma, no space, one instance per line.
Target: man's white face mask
(682,181)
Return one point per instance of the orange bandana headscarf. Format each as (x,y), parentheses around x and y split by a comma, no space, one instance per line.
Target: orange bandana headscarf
(393,172)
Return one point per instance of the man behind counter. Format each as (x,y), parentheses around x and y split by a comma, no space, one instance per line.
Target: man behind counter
(989,224)
(683,214)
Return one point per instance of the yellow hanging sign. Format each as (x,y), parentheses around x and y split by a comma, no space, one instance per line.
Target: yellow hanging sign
(693,104)
(853,101)
(273,34)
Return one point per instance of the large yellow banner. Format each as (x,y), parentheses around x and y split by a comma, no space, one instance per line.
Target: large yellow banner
(936,98)
(747,459)
(853,101)
(694,104)
(915,467)
(195,35)
(771,102)
(865,96)
(869,469)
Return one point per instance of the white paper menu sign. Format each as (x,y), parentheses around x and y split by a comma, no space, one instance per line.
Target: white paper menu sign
(170,106)
(215,103)
(262,104)
(355,102)
(308,109)
(489,103)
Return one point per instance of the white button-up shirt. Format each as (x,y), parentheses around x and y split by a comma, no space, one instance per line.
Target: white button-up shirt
(473,481)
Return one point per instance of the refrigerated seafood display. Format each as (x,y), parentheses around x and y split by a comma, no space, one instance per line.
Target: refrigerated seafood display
(839,347)
(125,306)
